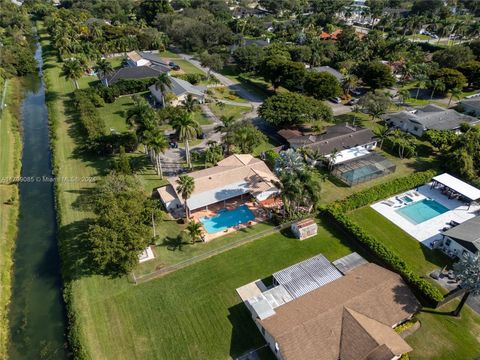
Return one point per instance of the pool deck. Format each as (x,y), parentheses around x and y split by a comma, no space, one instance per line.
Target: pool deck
(260,213)
(429,230)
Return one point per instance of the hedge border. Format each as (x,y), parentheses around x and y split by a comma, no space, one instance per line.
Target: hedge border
(336,212)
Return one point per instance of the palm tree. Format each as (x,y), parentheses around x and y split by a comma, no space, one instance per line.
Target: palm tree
(186,129)
(455,93)
(437,84)
(190,103)
(382,133)
(467,271)
(162,84)
(332,157)
(141,116)
(72,70)
(421,83)
(186,187)
(103,67)
(349,83)
(194,230)
(404,95)
(227,128)
(289,161)
(157,142)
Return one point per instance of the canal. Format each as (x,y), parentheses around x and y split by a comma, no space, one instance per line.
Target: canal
(37,312)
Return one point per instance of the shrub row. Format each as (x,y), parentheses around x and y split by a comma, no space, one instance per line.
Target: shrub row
(389,258)
(74,331)
(123,87)
(93,126)
(382,191)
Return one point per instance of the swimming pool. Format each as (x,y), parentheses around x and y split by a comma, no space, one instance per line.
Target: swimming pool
(365,171)
(422,210)
(226,219)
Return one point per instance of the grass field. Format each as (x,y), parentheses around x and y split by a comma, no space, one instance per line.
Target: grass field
(114,114)
(193,313)
(443,337)
(417,256)
(228,110)
(10,154)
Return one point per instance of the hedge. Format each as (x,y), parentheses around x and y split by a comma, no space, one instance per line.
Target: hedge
(382,191)
(430,293)
(93,125)
(123,87)
(337,213)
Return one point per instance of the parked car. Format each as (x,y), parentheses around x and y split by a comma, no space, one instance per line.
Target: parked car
(356,92)
(336,100)
(353,101)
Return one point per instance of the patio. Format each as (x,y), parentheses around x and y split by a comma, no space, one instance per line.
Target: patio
(260,211)
(428,231)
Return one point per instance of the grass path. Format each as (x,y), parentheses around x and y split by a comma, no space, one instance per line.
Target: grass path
(10,155)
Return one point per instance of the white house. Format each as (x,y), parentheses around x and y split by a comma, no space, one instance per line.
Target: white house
(135,59)
(431,116)
(463,239)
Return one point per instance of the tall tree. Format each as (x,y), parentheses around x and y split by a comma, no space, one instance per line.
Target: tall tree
(186,187)
(163,84)
(103,67)
(467,271)
(121,229)
(72,70)
(158,144)
(190,104)
(186,129)
(375,103)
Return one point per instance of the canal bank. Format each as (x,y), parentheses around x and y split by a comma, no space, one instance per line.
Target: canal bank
(37,313)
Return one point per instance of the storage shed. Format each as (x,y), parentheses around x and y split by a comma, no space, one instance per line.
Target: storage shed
(304,228)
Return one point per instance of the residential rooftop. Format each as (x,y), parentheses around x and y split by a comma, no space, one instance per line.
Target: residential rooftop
(136,72)
(179,87)
(349,318)
(337,137)
(467,234)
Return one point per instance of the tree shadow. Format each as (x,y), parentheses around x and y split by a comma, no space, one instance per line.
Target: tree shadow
(174,243)
(77,259)
(403,296)
(245,335)
(84,200)
(429,311)
(139,163)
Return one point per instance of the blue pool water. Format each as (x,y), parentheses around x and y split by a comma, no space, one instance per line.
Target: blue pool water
(226,219)
(421,211)
(364,171)
(407,199)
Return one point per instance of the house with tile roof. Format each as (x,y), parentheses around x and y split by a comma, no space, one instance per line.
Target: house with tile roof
(341,313)
(233,177)
(134,73)
(427,117)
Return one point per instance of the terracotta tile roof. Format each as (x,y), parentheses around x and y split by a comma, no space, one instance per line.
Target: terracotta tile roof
(360,305)
(235,169)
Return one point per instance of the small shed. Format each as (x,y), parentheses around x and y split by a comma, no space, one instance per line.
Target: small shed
(304,228)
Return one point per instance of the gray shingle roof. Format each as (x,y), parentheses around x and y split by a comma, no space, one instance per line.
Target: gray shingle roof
(331,71)
(179,87)
(468,233)
(135,72)
(340,137)
(434,117)
(153,58)
(473,102)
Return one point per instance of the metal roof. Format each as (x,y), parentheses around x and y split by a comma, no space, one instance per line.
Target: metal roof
(458,186)
(349,262)
(307,276)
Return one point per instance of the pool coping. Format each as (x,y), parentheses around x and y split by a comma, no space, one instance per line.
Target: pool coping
(429,230)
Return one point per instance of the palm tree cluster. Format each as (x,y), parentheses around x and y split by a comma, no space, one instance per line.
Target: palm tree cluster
(72,35)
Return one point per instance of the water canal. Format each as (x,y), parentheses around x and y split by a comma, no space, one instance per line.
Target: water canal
(37,312)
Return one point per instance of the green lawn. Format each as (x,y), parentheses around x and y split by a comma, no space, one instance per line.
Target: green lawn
(193,313)
(114,114)
(417,256)
(10,152)
(186,67)
(224,93)
(201,118)
(442,337)
(228,110)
